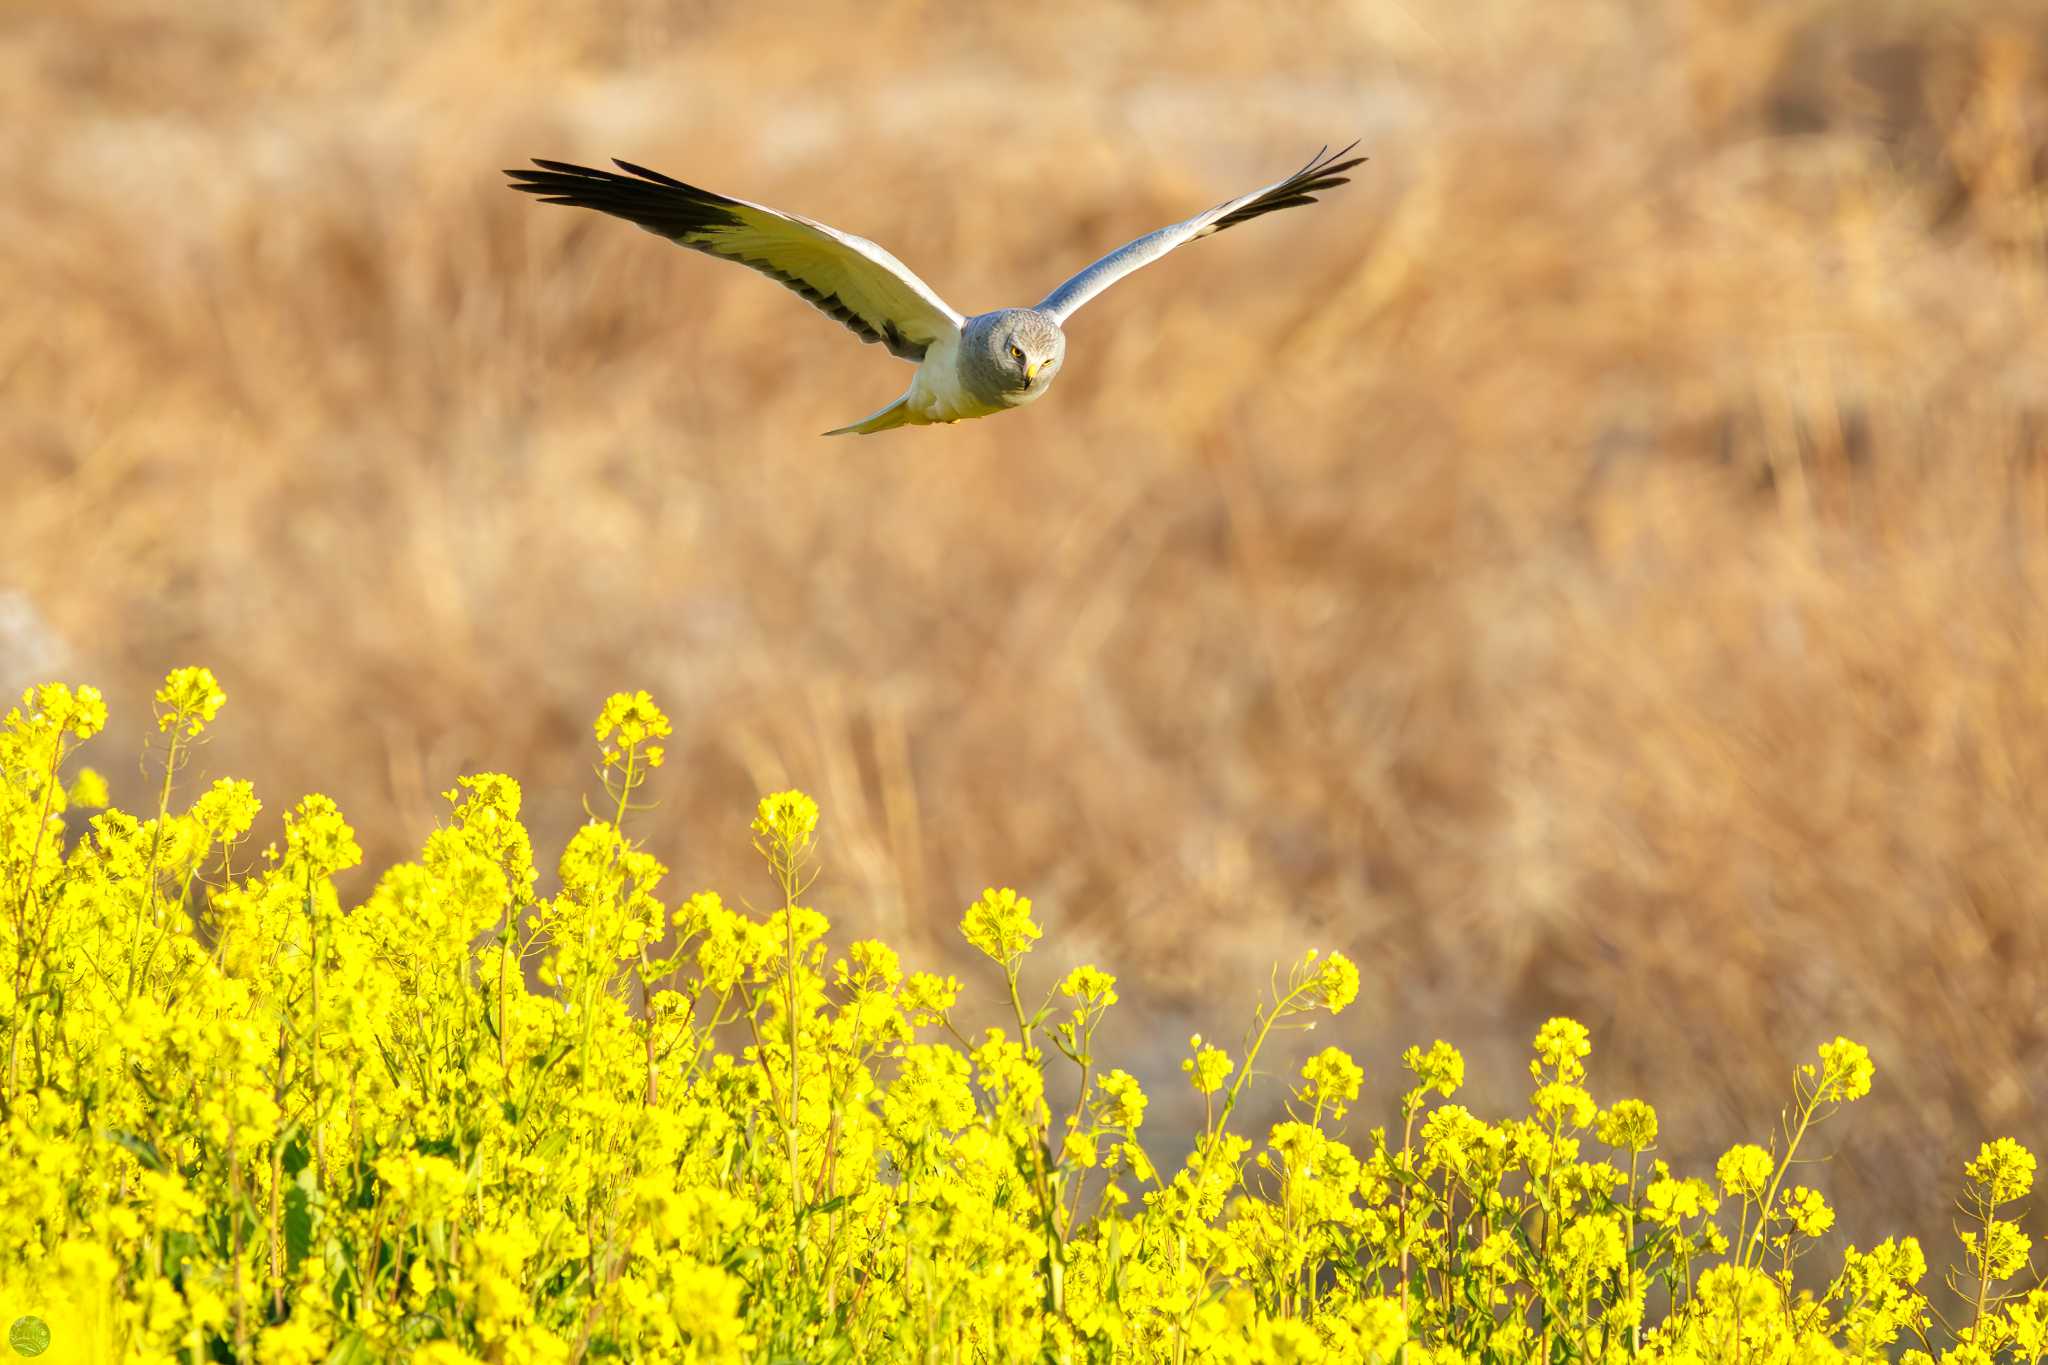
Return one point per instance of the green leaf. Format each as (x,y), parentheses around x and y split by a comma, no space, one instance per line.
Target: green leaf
(139,1147)
(179,1247)
(298,1224)
(390,1063)
(352,1349)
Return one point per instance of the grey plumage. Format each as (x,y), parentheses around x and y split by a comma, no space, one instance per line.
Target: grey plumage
(849,279)
(1325,170)
(967,366)
(1009,356)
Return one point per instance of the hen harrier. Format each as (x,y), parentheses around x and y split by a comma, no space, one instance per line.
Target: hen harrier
(966,366)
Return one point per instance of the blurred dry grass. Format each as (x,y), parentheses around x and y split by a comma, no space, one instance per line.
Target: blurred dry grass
(1593,563)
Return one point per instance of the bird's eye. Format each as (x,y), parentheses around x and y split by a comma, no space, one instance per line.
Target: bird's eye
(1016,353)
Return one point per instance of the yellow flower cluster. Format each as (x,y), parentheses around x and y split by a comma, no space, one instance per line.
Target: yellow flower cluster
(189,700)
(475,1119)
(999,924)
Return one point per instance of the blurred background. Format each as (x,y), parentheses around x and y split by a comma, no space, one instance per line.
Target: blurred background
(1590,564)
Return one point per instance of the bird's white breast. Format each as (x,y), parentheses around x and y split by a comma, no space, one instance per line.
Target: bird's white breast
(936,394)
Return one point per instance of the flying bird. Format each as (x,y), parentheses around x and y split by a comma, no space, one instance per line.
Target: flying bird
(966,366)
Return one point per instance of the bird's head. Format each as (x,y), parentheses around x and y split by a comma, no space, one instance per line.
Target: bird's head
(1013,354)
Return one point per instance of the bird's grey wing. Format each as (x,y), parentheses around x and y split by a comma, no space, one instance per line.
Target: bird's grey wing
(847,277)
(1325,170)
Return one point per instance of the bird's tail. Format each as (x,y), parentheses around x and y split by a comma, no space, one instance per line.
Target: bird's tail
(895,415)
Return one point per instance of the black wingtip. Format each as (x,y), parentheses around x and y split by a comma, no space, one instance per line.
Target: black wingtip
(1333,162)
(1323,171)
(656,176)
(640,196)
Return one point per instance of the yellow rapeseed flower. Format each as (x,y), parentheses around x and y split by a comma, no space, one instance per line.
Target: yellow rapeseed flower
(1336,984)
(1745,1169)
(1807,1211)
(1591,1247)
(55,706)
(2003,1169)
(1845,1072)
(1089,987)
(1630,1125)
(1331,1078)
(926,996)
(456,1123)
(787,820)
(2000,1249)
(1123,1100)
(318,840)
(1207,1068)
(88,790)
(2026,1326)
(1560,1044)
(227,810)
(1565,1103)
(1441,1069)
(636,720)
(1000,925)
(189,700)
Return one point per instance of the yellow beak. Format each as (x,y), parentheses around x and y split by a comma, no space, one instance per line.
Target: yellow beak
(1031,371)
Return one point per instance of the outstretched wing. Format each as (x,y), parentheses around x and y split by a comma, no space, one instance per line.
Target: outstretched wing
(849,278)
(1324,171)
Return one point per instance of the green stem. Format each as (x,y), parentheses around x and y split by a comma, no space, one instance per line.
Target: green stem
(27,907)
(313,1078)
(1635,1329)
(787,874)
(1048,1203)
(1251,1056)
(146,895)
(1763,1214)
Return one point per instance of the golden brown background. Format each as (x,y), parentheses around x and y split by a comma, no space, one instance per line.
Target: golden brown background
(1591,563)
